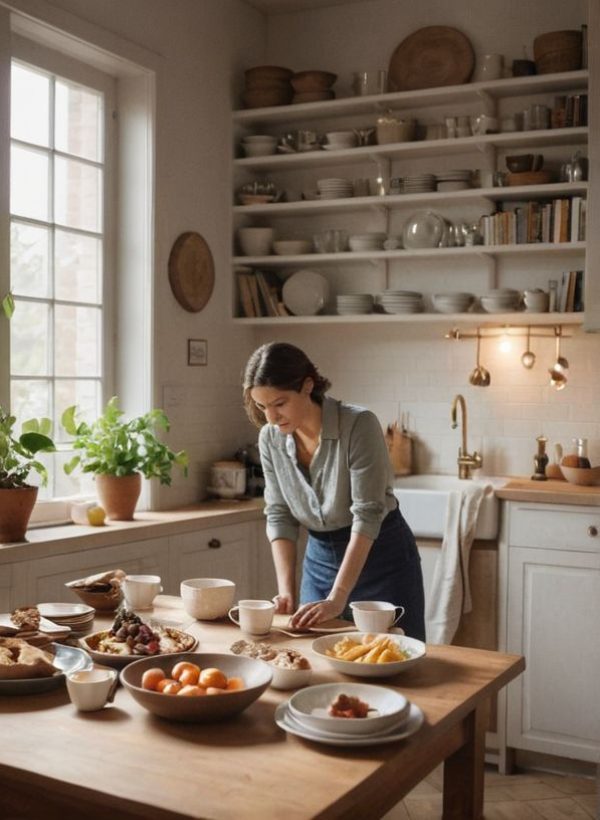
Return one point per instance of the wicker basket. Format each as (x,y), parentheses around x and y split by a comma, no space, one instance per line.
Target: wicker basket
(558,51)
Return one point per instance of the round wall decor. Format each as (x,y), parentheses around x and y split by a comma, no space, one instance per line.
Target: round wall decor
(191,271)
(429,57)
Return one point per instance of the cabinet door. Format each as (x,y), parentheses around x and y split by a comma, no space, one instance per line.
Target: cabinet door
(553,615)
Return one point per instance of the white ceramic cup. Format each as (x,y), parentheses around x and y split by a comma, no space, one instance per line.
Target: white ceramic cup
(207,598)
(90,689)
(375,616)
(141,590)
(253,617)
(491,67)
(536,301)
(228,479)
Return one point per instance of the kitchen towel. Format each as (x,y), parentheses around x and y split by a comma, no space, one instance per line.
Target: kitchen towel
(450,593)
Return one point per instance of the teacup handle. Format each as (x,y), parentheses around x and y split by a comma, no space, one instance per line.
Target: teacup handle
(234,609)
(397,618)
(113,690)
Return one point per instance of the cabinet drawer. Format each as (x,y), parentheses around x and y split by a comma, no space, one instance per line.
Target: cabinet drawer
(542,526)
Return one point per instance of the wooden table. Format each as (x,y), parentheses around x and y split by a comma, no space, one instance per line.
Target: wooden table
(122,762)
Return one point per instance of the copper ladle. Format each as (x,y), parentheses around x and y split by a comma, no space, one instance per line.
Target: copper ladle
(558,378)
(480,377)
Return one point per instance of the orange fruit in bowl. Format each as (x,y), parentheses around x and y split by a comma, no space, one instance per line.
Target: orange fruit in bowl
(152,678)
(191,691)
(168,686)
(189,677)
(184,666)
(214,678)
(234,684)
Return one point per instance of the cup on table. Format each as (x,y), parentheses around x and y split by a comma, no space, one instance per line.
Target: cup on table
(253,617)
(375,616)
(141,590)
(90,689)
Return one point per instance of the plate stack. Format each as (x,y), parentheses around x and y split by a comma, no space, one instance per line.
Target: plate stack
(348,304)
(78,617)
(401,301)
(501,300)
(452,302)
(453,180)
(419,183)
(334,188)
(372,241)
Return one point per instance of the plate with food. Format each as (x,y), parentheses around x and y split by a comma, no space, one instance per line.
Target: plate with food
(369,655)
(27,670)
(130,638)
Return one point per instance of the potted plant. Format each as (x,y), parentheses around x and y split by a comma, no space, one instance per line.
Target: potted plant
(17,460)
(119,452)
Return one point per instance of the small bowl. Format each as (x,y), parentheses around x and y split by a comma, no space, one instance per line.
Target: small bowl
(289,247)
(307,81)
(101,601)
(519,163)
(256,241)
(202,708)
(310,707)
(259,149)
(288,678)
(584,477)
(207,598)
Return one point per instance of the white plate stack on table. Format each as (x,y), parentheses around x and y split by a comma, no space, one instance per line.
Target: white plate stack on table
(79,618)
(419,183)
(401,301)
(349,714)
(452,302)
(350,304)
(365,242)
(334,188)
(501,300)
(457,180)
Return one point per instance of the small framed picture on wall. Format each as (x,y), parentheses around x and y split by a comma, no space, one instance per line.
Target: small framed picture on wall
(197,352)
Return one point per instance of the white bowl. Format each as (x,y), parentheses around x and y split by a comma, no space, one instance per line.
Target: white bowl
(415,648)
(289,247)
(255,241)
(288,678)
(259,138)
(310,707)
(259,149)
(207,598)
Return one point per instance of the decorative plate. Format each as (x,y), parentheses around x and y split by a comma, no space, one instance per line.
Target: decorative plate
(430,57)
(191,271)
(305,293)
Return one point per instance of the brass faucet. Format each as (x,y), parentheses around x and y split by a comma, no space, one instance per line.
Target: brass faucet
(466,461)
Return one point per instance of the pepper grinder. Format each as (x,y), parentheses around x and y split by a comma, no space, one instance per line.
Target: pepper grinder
(540,460)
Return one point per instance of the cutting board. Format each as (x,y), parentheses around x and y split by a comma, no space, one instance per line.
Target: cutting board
(281,623)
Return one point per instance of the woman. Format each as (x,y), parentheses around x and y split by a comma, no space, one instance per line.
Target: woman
(326,467)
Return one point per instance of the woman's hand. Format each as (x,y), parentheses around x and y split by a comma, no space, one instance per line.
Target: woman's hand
(284,604)
(316,612)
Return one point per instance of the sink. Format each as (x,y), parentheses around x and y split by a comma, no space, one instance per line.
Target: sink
(423,501)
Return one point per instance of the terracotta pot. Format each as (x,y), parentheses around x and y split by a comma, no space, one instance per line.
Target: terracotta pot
(119,495)
(15,511)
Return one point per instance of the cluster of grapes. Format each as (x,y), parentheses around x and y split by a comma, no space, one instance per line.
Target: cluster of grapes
(138,637)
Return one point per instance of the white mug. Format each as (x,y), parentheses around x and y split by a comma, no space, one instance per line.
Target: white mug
(90,689)
(141,590)
(375,616)
(492,67)
(254,617)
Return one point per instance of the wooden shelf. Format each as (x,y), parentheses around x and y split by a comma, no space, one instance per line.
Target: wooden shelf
(520,319)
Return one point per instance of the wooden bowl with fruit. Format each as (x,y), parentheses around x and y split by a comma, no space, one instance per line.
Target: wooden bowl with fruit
(197,687)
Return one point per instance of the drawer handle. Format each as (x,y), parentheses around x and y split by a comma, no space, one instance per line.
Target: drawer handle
(592,531)
(214,544)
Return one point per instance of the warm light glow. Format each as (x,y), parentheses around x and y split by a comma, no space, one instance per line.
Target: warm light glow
(505,344)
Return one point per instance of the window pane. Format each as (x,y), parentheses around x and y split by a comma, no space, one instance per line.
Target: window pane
(77,267)
(77,194)
(29,183)
(29,334)
(29,105)
(78,120)
(29,254)
(85,394)
(77,483)
(77,341)
(30,398)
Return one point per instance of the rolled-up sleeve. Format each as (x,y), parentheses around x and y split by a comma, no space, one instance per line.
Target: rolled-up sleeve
(368,462)
(280,521)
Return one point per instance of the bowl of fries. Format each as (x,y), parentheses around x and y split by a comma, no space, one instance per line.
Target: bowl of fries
(369,655)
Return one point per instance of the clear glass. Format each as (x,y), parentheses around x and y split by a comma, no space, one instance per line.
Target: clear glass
(77,341)
(29,260)
(29,183)
(77,267)
(29,105)
(78,120)
(29,339)
(77,195)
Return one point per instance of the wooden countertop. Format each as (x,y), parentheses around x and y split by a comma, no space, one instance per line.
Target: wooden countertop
(548,492)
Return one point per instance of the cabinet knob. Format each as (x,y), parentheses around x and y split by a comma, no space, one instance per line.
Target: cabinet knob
(214,544)
(592,531)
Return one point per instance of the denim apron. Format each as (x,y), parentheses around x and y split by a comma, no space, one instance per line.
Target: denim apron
(392,571)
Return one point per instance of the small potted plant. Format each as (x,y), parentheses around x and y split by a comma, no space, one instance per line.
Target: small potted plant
(119,452)
(17,460)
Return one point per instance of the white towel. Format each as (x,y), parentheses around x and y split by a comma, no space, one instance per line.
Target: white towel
(450,593)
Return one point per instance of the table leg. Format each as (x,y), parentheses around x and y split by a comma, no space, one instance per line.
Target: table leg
(463,771)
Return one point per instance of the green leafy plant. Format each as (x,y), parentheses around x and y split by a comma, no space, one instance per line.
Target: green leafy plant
(8,305)
(112,446)
(17,455)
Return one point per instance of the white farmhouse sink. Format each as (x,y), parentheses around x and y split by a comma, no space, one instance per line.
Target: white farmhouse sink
(423,500)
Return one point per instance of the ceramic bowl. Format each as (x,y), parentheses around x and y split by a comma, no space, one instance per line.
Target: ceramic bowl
(207,598)
(255,241)
(202,708)
(101,601)
(414,648)
(519,163)
(259,149)
(580,475)
(289,247)
(288,678)
(310,707)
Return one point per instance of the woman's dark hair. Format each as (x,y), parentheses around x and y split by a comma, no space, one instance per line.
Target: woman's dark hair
(285,367)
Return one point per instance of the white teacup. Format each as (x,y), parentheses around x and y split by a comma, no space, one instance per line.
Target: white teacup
(375,616)
(90,689)
(536,301)
(253,617)
(141,590)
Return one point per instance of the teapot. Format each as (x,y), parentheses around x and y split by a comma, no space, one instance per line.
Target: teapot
(576,170)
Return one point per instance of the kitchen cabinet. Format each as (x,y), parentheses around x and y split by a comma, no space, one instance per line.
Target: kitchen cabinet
(550,612)
(484,266)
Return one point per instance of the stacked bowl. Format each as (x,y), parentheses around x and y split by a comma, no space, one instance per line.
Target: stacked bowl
(267,85)
(313,86)
(372,241)
(339,140)
(334,188)
(401,301)
(350,304)
(259,145)
(452,302)
(501,300)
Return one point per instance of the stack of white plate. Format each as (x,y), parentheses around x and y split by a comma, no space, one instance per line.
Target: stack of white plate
(452,302)
(419,183)
(348,304)
(372,241)
(456,180)
(335,188)
(79,618)
(500,300)
(401,301)
(338,140)
(390,717)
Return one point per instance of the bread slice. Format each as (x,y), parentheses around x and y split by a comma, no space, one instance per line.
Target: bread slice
(19,660)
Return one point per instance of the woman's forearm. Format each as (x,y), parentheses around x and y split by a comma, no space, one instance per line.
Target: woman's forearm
(352,565)
(284,559)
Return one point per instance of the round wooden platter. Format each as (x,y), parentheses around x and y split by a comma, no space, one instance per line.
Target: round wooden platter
(191,271)
(430,57)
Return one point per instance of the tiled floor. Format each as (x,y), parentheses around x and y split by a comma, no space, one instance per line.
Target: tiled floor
(529,796)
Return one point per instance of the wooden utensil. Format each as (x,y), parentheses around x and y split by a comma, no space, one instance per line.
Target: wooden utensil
(431,56)
(191,271)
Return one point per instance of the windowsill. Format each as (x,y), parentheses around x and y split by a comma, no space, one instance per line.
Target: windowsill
(73,537)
